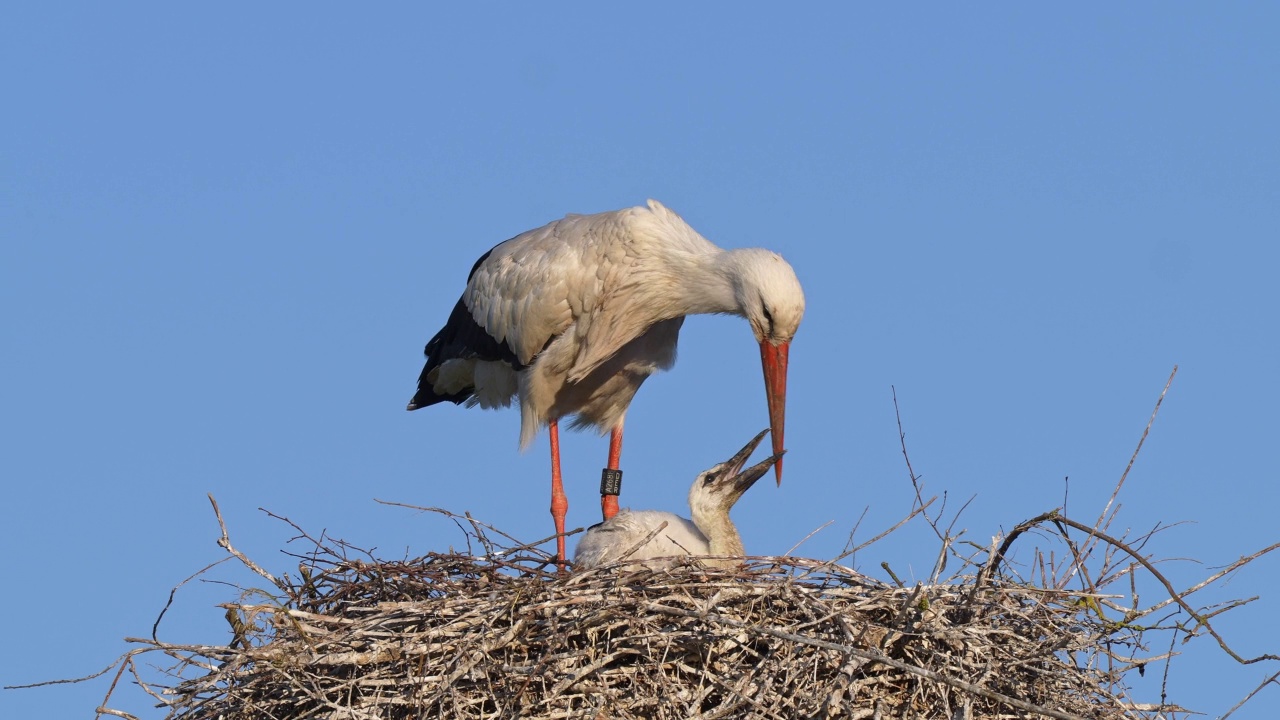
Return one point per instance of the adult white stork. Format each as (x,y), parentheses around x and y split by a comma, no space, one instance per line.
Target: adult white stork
(641,536)
(572,317)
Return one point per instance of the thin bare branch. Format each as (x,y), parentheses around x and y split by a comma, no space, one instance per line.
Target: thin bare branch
(1103,522)
(224,542)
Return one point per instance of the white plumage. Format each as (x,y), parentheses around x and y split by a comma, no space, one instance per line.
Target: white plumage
(571,318)
(711,532)
(608,541)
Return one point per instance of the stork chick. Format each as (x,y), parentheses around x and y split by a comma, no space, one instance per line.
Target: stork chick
(711,532)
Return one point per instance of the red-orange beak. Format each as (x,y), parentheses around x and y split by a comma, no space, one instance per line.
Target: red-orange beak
(774,359)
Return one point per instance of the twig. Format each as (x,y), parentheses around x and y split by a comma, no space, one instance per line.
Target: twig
(902,440)
(805,539)
(98,674)
(984,576)
(916,511)
(1274,678)
(442,511)
(155,627)
(643,541)
(1102,521)
(224,542)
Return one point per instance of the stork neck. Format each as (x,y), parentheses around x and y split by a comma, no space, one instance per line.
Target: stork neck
(707,281)
(722,534)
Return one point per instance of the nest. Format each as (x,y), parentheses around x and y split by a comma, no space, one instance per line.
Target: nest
(449,637)
(496,632)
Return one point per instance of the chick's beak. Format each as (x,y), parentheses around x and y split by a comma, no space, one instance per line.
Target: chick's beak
(748,477)
(735,463)
(738,480)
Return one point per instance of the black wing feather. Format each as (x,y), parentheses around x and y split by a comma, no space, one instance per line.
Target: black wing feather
(461,338)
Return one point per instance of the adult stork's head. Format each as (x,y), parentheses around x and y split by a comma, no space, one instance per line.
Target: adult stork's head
(769,297)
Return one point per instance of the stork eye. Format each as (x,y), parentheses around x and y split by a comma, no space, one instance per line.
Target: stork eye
(768,317)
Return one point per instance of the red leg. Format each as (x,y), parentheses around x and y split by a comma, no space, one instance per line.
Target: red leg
(609,503)
(559,503)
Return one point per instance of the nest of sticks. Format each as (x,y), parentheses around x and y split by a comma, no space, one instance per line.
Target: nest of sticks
(496,632)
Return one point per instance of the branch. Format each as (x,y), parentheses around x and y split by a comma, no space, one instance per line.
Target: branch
(1134,457)
(224,542)
(984,575)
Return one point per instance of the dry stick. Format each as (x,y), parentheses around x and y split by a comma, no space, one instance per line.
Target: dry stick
(948,542)
(984,575)
(118,713)
(478,527)
(857,524)
(1116,492)
(919,509)
(944,536)
(452,517)
(1225,571)
(1103,521)
(1111,571)
(301,533)
(98,674)
(902,439)
(444,512)
(1078,560)
(871,656)
(519,546)
(155,628)
(125,663)
(1249,697)
(1168,663)
(644,541)
(892,575)
(805,539)
(900,617)
(224,542)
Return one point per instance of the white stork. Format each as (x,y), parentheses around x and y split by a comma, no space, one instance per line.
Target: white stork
(711,532)
(573,316)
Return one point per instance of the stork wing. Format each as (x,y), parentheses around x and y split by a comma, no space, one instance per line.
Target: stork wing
(588,275)
(530,289)
(629,302)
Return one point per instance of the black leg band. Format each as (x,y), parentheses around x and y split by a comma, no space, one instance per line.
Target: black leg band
(610,482)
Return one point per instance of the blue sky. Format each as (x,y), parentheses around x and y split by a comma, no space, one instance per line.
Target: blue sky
(228,231)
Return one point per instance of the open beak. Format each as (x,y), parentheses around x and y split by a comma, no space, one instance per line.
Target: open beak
(743,479)
(774,360)
(734,464)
